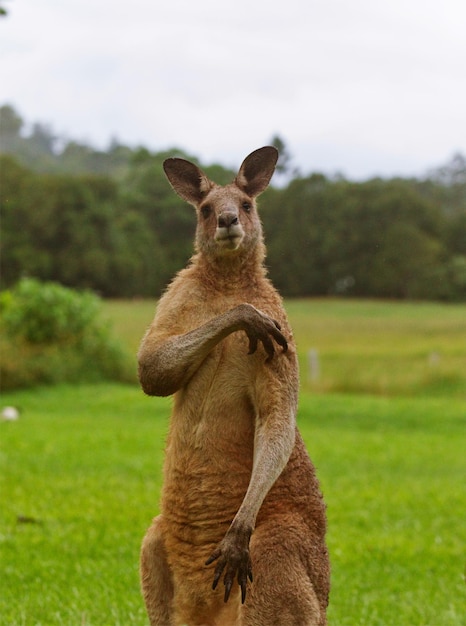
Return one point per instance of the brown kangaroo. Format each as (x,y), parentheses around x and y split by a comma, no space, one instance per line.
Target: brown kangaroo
(239,488)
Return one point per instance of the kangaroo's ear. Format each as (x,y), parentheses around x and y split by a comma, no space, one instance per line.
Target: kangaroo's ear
(256,170)
(187,179)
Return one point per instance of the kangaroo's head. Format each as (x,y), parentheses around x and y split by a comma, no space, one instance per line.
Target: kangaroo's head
(227,219)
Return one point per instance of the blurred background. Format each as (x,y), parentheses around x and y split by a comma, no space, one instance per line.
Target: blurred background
(364,100)
(366,211)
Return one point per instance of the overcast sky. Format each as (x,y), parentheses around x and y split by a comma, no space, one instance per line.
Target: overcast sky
(360,87)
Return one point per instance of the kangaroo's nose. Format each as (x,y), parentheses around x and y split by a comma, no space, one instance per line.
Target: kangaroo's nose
(225,220)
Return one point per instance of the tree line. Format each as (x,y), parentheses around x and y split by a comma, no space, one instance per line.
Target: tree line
(108,221)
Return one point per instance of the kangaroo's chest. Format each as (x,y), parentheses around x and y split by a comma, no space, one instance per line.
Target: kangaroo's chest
(224,382)
(213,419)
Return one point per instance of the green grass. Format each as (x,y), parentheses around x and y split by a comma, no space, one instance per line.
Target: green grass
(386,348)
(393,472)
(85,463)
(376,347)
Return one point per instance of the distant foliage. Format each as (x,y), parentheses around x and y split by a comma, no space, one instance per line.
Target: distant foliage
(53,334)
(47,312)
(380,238)
(108,221)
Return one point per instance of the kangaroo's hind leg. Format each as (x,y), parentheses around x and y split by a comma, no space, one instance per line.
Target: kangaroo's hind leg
(291,574)
(156,578)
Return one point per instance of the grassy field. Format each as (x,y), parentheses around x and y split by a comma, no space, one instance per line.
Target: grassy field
(80,476)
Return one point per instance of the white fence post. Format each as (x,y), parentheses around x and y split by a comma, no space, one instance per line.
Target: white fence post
(314,365)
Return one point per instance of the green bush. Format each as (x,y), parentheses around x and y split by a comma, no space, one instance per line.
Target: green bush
(47,312)
(53,334)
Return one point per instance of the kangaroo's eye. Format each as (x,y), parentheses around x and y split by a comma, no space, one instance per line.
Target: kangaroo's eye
(246,206)
(206,210)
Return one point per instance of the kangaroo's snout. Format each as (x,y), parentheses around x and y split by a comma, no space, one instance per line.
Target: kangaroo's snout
(227,219)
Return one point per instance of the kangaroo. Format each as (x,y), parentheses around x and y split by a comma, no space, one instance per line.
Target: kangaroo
(240,502)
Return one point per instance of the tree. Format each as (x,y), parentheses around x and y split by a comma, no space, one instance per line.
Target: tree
(453,173)
(108,220)
(16,248)
(42,140)
(379,238)
(10,129)
(169,221)
(407,264)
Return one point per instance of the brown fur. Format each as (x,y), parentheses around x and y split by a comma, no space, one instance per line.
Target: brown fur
(239,488)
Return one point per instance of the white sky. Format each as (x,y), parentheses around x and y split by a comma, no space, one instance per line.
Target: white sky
(361,87)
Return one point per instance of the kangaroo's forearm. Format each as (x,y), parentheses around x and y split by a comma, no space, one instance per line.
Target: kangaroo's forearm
(168,366)
(272,450)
